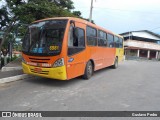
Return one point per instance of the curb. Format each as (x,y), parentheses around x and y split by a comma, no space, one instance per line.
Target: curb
(10,68)
(14,78)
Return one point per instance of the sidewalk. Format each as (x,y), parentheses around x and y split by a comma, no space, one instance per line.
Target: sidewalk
(14,65)
(12,72)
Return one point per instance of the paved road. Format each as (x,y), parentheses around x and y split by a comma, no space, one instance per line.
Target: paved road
(133,86)
(6,74)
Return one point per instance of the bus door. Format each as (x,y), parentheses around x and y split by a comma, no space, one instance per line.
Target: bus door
(76,50)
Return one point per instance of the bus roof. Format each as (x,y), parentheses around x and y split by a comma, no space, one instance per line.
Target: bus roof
(81,21)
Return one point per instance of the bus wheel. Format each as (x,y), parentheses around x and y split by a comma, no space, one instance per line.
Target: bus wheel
(88,70)
(115,63)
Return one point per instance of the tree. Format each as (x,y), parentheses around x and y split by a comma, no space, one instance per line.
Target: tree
(77,13)
(4,18)
(22,11)
(64,4)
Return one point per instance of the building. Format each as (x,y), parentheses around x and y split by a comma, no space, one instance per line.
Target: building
(142,44)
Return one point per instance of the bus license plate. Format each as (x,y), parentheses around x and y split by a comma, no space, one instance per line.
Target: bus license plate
(37,70)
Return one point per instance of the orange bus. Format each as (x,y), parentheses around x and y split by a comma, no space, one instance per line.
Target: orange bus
(65,47)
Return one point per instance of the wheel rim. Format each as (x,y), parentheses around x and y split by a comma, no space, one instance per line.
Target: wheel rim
(89,71)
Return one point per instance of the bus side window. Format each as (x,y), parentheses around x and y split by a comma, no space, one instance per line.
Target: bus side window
(102,38)
(116,40)
(81,38)
(110,39)
(91,36)
(76,43)
(120,43)
(70,36)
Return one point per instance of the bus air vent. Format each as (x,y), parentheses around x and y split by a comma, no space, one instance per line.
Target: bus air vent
(39,60)
(40,72)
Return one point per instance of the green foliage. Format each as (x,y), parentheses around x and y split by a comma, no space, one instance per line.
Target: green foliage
(14,57)
(4,18)
(9,39)
(77,13)
(64,4)
(8,59)
(15,13)
(32,10)
(18,47)
(27,11)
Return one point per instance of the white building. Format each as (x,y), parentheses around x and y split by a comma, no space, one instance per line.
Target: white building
(141,45)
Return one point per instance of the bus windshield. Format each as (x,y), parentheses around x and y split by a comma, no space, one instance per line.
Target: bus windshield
(44,38)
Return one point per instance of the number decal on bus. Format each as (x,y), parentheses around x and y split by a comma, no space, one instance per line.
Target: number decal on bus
(54,47)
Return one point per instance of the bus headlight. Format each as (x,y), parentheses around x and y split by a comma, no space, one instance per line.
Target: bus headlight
(59,63)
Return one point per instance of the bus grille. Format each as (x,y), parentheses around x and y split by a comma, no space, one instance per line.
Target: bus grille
(39,60)
(42,72)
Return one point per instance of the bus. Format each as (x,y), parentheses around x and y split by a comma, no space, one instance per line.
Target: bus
(63,48)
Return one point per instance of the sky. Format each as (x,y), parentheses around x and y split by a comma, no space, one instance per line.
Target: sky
(123,15)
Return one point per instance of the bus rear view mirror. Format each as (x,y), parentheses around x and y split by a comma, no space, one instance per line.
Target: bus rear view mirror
(72,22)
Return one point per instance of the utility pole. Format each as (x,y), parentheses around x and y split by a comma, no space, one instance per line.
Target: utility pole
(90,16)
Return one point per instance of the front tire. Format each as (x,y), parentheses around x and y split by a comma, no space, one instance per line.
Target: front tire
(88,70)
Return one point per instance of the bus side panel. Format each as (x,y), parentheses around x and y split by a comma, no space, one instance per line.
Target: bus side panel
(107,55)
(77,66)
(110,53)
(120,54)
(92,54)
(102,56)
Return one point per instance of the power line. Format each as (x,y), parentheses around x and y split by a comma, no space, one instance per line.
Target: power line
(155,28)
(127,10)
(123,10)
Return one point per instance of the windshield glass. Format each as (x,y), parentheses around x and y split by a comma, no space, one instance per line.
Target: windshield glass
(44,38)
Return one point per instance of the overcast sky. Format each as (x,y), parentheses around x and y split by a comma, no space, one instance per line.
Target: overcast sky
(123,15)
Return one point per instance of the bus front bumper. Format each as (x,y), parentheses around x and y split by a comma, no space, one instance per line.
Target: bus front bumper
(54,73)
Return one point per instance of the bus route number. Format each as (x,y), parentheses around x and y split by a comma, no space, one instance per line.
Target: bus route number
(54,47)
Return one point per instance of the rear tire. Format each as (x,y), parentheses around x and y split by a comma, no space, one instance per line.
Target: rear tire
(88,70)
(115,63)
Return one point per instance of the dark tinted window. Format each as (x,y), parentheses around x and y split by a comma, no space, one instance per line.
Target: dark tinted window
(44,38)
(81,38)
(76,44)
(91,36)
(120,43)
(102,38)
(116,41)
(110,39)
